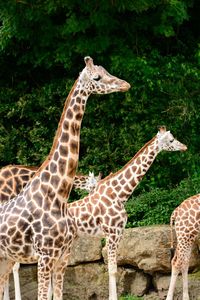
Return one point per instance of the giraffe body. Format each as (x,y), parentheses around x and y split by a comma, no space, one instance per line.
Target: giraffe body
(102,212)
(36,224)
(186,218)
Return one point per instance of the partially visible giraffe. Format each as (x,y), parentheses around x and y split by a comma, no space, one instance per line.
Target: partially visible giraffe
(36,225)
(186,218)
(87,183)
(13,179)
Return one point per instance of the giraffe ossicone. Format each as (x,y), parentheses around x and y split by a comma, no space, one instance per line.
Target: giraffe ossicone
(36,224)
(186,220)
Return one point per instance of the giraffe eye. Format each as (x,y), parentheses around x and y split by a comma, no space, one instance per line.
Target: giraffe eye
(171,141)
(97,78)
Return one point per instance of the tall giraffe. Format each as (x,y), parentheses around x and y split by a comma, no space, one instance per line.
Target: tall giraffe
(13,179)
(186,218)
(36,225)
(102,212)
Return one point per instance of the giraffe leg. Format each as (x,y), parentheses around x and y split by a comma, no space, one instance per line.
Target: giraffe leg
(16,281)
(45,265)
(58,277)
(112,244)
(50,290)
(185,282)
(172,285)
(6,291)
(5,270)
(185,266)
(180,263)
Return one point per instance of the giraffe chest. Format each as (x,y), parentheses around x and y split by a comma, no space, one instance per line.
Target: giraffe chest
(25,236)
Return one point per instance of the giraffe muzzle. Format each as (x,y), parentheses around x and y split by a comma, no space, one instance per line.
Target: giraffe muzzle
(184,148)
(125,86)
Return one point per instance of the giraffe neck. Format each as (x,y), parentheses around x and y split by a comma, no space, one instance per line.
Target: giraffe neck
(59,168)
(125,181)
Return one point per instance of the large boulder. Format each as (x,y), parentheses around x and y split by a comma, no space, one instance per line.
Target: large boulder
(148,248)
(85,249)
(90,281)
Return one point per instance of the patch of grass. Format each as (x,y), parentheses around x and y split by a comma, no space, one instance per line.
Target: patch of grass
(129,297)
(195,275)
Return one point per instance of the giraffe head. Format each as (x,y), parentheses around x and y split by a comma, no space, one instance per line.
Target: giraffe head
(92,181)
(98,81)
(167,142)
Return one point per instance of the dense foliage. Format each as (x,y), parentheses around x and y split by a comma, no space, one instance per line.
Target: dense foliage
(152,44)
(156,206)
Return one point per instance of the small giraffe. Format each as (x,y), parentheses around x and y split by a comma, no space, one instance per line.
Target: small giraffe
(186,218)
(36,224)
(13,178)
(87,183)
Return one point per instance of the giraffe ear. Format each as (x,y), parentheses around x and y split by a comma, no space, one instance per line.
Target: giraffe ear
(89,62)
(162,129)
(99,176)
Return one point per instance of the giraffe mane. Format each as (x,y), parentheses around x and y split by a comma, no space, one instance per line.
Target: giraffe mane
(34,168)
(48,158)
(130,161)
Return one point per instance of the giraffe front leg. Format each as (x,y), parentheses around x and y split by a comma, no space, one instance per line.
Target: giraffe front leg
(45,265)
(16,281)
(112,270)
(112,245)
(50,289)
(58,277)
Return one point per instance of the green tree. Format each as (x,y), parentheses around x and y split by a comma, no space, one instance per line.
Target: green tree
(152,44)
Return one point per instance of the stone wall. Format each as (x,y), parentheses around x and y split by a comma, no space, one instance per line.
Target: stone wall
(143,268)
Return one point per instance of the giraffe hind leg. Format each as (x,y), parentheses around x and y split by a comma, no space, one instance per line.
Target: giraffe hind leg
(184,268)
(172,284)
(180,264)
(185,283)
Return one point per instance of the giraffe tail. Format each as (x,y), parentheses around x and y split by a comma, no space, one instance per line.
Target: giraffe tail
(172,221)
